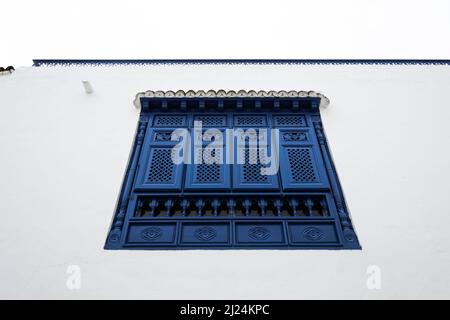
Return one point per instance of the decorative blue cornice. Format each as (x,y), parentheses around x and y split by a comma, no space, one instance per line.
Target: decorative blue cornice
(81,62)
(231,94)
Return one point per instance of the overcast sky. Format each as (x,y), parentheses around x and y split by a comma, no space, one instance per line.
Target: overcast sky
(229,29)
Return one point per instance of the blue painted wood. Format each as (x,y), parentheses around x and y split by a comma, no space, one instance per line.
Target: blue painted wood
(54,62)
(300,153)
(231,206)
(247,176)
(156,170)
(208,176)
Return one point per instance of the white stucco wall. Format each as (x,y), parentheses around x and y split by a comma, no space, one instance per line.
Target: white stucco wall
(63,154)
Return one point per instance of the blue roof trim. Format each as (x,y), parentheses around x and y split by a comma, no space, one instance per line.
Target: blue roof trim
(68,62)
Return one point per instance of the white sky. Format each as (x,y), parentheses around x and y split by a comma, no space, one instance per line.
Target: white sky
(228,29)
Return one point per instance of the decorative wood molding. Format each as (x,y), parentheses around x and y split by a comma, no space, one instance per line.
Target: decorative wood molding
(324,101)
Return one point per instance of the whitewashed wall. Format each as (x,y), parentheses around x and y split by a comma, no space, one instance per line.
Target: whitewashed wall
(63,154)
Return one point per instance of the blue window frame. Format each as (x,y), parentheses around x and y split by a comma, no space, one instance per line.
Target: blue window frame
(163,205)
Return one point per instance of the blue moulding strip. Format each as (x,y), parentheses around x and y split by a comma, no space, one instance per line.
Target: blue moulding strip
(163,205)
(74,62)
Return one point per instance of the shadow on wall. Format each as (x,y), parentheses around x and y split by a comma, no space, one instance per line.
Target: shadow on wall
(7,70)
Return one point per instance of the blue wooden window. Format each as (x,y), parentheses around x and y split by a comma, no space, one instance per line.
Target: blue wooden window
(163,205)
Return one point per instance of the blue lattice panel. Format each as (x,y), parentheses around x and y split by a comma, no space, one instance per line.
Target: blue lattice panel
(247,176)
(212,120)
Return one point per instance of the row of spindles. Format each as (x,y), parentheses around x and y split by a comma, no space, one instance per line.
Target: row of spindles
(278,207)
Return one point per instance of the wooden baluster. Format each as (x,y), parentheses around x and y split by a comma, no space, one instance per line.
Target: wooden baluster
(278,204)
(247,204)
(309,204)
(153,204)
(294,204)
(199,204)
(231,207)
(323,205)
(184,206)
(139,207)
(262,205)
(169,204)
(215,204)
